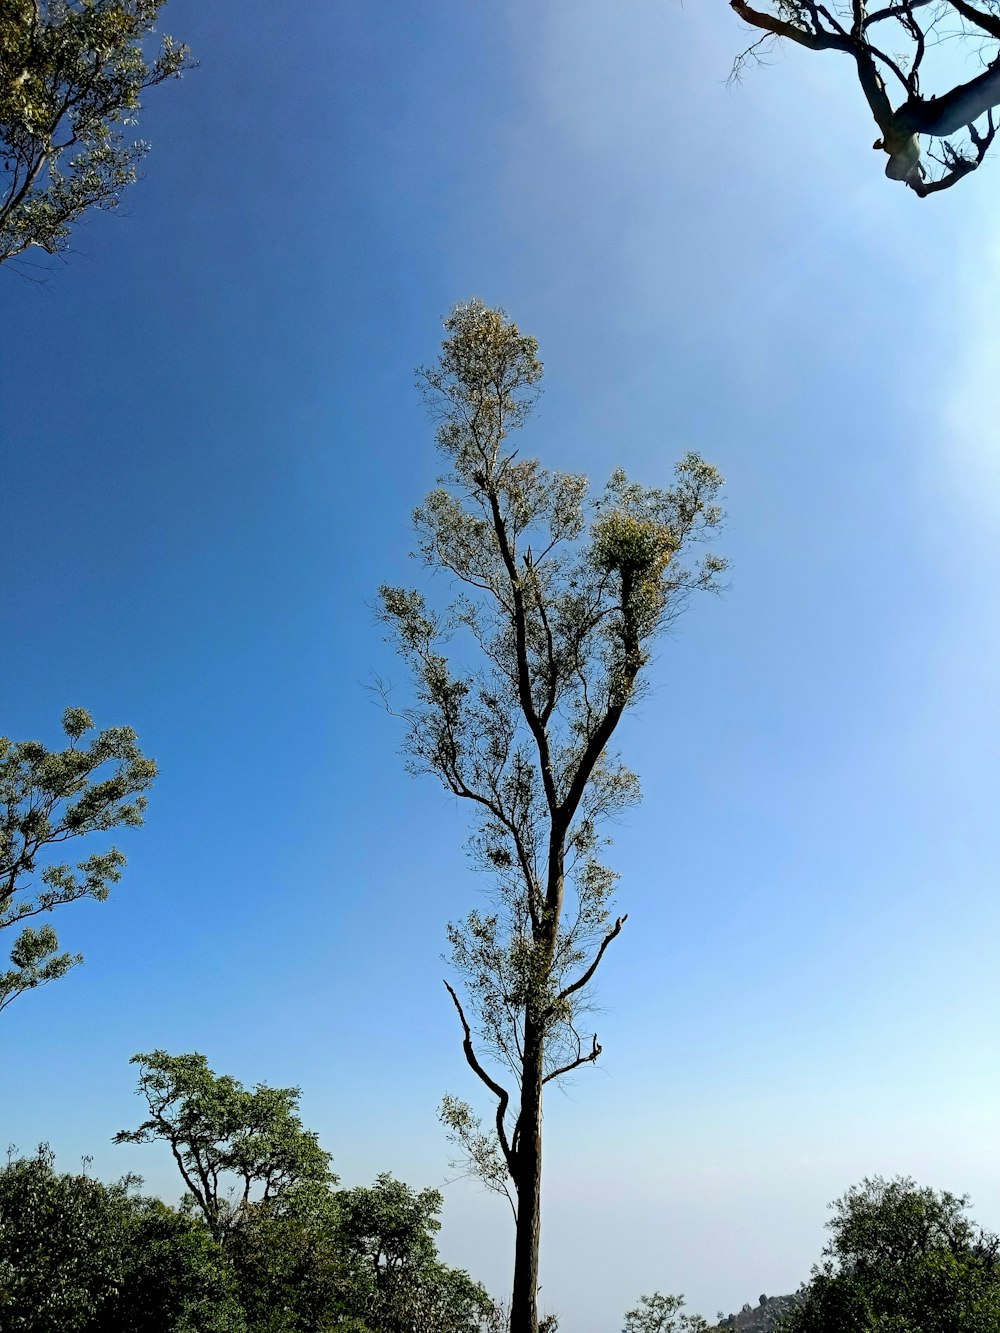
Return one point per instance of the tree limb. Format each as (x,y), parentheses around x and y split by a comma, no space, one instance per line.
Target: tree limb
(501,1094)
(527,703)
(895,11)
(575,1064)
(955,110)
(988,22)
(582,981)
(815,41)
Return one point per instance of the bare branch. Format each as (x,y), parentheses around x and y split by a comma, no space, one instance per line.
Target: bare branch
(940,116)
(815,41)
(954,110)
(501,1094)
(582,981)
(587,1059)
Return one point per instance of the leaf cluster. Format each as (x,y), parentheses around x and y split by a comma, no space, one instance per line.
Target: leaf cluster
(280,1251)
(659,1313)
(81,1256)
(71,74)
(48,797)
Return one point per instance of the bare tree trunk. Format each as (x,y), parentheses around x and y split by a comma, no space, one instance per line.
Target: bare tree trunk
(524,1305)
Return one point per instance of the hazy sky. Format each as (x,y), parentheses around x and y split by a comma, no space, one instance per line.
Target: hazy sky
(211,447)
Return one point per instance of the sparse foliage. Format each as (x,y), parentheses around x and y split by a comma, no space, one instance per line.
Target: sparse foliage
(71,76)
(561,596)
(48,797)
(897,46)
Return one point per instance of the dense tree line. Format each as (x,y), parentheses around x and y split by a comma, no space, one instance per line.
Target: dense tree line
(263,1240)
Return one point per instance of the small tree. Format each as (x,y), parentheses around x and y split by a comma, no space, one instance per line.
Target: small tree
(662,1314)
(562,595)
(888,46)
(388,1231)
(71,72)
(235,1149)
(46,798)
(388,1226)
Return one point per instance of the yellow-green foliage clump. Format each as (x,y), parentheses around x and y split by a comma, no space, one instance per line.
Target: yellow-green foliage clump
(636,548)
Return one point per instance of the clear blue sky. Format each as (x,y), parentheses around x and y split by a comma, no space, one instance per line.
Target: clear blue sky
(211,446)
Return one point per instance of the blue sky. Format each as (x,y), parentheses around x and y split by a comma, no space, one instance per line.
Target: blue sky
(211,447)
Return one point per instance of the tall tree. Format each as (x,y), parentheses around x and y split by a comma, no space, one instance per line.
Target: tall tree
(71,73)
(235,1148)
(46,798)
(887,45)
(562,596)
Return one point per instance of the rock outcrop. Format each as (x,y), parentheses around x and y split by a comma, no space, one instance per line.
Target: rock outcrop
(760,1318)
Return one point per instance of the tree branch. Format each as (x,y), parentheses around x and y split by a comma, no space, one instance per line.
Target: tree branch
(988,22)
(815,41)
(956,109)
(895,11)
(527,703)
(501,1094)
(575,1064)
(582,981)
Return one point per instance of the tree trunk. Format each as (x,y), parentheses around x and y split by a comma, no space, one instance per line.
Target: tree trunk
(524,1305)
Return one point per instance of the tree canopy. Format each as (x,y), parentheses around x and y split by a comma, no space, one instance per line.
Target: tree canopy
(900,50)
(901,1259)
(234,1147)
(48,797)
(71,76)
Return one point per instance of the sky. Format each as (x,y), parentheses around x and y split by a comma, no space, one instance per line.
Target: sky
(211,446)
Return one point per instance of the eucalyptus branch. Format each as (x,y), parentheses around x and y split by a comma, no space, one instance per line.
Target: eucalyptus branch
(941,115)
(817,41)
(527,703)
(988,22)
